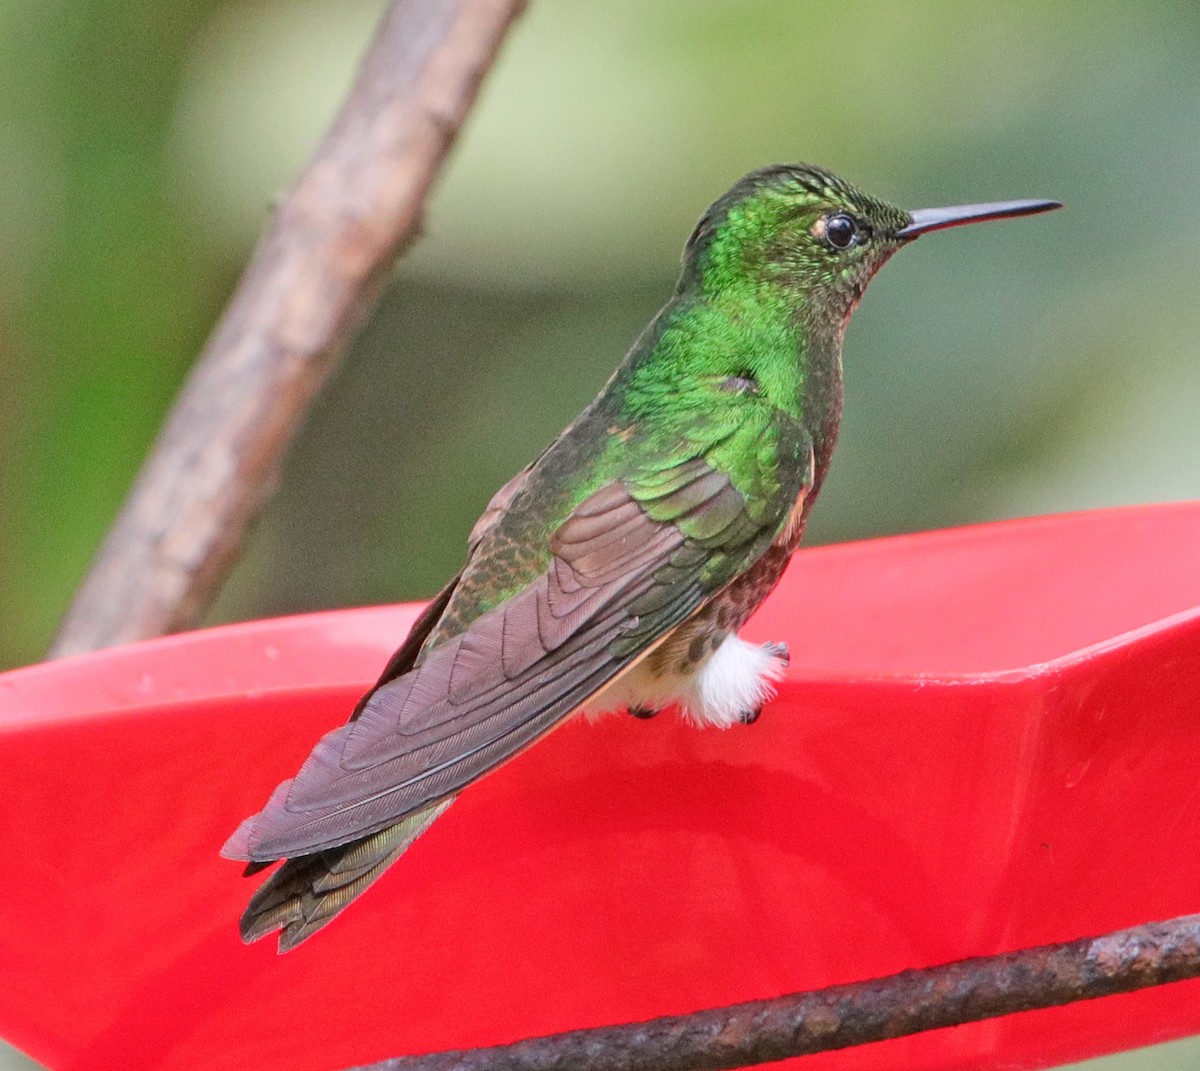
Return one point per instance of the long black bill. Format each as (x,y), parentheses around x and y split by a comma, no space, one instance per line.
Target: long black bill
(934,219)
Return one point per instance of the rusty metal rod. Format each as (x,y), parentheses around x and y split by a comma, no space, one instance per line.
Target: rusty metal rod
(846,1015)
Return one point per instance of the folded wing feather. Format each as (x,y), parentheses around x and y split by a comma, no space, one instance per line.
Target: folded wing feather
(478,698)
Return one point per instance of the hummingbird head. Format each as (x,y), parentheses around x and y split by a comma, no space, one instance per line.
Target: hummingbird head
(813,237)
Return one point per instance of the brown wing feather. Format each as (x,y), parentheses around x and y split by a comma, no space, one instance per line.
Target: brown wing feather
(406,657)
(478,698)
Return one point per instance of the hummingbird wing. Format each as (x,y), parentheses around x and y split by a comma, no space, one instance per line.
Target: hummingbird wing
(632,560)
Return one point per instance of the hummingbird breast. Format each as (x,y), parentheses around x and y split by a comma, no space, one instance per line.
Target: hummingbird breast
(691,642)
(702,665)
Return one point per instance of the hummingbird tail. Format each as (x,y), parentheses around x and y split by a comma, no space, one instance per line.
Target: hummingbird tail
(308,891)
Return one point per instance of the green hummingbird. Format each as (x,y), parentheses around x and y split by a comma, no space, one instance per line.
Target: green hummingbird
(615,571)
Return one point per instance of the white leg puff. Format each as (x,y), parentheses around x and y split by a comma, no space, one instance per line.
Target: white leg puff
(727,688)
(733,683)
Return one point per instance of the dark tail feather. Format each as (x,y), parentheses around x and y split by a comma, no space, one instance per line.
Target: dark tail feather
(309,890)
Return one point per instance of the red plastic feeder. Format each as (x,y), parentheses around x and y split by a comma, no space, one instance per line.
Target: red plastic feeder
(988,739)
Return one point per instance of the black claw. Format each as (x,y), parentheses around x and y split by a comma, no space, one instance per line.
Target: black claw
(643,712)
(780,651)
(751,716)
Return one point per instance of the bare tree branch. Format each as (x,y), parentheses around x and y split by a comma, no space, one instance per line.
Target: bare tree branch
(313,277)
(846,1015)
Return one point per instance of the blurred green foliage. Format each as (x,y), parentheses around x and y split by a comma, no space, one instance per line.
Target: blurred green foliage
(1035,366)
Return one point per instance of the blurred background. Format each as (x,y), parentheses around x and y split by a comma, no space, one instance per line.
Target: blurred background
(1028,367)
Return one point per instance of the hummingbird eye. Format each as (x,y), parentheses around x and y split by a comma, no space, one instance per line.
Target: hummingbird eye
(839,231)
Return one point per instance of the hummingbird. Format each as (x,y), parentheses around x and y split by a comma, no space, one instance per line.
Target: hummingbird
(614,572)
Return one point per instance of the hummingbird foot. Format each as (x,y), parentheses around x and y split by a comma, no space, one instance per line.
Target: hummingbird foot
(751,716)
(727,687)
(779,652)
